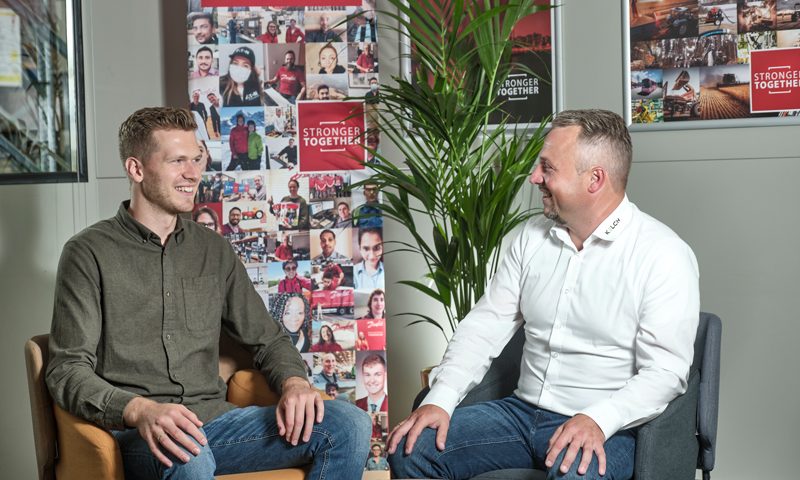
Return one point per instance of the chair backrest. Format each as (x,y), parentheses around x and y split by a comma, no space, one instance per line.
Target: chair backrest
(232,358)
(502,377)
(708,345)
(44,424)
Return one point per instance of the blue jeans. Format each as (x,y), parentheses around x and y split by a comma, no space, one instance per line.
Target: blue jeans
(247,440)
(506,433)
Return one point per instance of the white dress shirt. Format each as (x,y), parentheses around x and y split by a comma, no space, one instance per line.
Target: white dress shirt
(609,330)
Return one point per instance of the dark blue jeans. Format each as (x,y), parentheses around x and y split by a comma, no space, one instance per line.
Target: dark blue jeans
(246,440)
(506,433)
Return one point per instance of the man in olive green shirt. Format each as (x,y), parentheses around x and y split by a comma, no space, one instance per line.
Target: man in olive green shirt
(141,300)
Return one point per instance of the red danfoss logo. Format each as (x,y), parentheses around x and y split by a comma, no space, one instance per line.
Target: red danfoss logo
(774,80)
(331,135)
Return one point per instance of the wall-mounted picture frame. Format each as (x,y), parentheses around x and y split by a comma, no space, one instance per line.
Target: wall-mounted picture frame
(532,92)
(42,129)
(711,63)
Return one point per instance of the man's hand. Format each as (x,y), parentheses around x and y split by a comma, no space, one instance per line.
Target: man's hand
(299,407)
(579,432)
(425,416)
(164,426)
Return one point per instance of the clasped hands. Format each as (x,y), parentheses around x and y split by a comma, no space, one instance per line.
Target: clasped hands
(578,433)
(173,428)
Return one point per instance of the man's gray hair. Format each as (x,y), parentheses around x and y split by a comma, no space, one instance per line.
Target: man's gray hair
(603,134)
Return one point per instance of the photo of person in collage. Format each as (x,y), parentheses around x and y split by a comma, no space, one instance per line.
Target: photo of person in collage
(312,244)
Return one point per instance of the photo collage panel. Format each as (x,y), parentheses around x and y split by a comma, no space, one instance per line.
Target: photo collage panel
(689,59)
(311,242)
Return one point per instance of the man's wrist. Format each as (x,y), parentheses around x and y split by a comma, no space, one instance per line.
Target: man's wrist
(291,382)
(130,414)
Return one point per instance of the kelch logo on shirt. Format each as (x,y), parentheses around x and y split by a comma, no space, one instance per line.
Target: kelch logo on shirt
(612,227)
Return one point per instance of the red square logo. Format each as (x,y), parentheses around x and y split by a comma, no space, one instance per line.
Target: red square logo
(774,80)
(331,135)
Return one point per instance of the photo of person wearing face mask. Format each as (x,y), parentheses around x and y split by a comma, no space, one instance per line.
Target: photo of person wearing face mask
(241,86)
(371,97)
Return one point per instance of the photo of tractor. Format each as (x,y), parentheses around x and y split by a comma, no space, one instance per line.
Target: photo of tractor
(684,104)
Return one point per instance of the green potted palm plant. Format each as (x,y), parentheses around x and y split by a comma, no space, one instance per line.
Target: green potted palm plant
(461,171)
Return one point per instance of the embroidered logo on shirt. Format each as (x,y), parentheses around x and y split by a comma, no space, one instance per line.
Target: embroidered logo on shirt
(613,226)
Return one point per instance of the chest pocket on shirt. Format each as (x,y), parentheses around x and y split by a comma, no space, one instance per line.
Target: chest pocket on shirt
(202,303)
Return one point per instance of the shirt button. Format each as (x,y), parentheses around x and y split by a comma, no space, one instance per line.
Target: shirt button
(547,387)
(168,294)
(169,337)
(555,354)
(566,291)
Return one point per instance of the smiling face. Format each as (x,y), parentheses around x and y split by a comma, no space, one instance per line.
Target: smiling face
(377,305)
(202,30)
(290,269)
(204,60)
(344,211)
(234,216)
(374,377)
(294,314)
(328,58)
(293,187)
(169,178)
(329,364)
(288,59)
(323,22)
(371,247)
(326,334)
(562,186)
(327,242)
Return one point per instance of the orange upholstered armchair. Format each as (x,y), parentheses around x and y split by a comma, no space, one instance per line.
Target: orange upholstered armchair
(69,448)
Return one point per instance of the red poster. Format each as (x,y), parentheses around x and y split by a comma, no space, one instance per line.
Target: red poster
(280,3)
(331,135)
(374,330)
(775,80)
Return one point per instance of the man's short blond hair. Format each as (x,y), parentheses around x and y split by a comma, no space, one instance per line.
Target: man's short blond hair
(136,132)
(603,137)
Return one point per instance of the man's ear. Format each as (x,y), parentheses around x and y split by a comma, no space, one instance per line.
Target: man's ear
(133,168)
(598,179)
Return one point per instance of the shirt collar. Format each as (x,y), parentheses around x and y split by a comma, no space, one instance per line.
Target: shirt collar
(362,267)
(612,227)
(609,229)
(138,230)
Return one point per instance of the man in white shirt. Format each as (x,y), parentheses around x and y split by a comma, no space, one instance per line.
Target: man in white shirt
(609,300)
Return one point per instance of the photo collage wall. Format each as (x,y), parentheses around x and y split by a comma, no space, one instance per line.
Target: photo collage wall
(691,59)
(285,98)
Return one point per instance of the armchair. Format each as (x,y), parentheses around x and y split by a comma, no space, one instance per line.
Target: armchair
(68,447)
(669,447)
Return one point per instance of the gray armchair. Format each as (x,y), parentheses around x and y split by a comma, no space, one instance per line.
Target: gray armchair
(671,446)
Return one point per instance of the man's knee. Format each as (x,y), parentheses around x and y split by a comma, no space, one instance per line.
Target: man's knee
(201,466)
(348,424)
(592,472)
(419,463)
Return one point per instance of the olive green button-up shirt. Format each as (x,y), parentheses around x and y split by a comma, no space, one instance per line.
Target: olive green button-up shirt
(135,318)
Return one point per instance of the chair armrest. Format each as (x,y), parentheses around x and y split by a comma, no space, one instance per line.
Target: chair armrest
(666,447)
(249,387)
(85,450)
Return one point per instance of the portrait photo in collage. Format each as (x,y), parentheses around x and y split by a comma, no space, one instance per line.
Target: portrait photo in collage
(283,98)
(690,59)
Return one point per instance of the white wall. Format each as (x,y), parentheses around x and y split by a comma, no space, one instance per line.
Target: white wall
(728,192)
